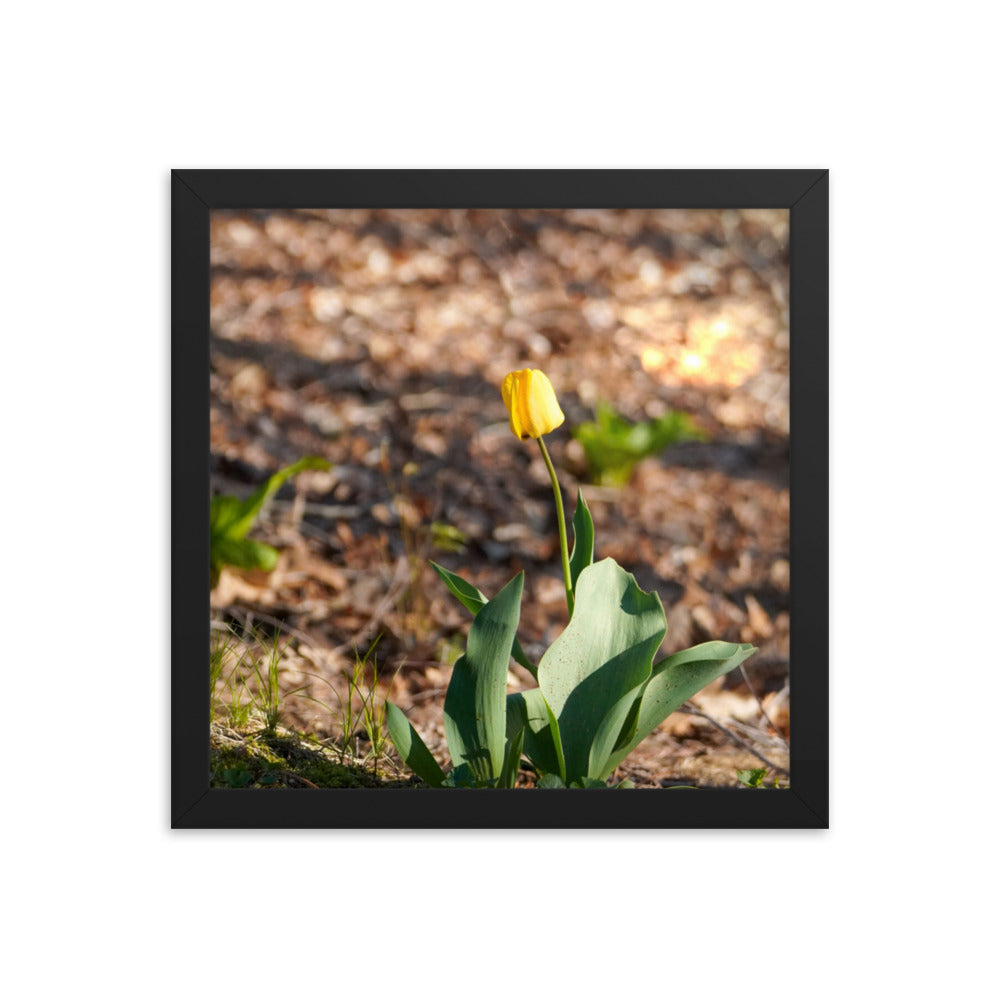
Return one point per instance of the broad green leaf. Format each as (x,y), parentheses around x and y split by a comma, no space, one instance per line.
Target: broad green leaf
(475,707)
(527,711)
(235,520)
(674,680)
(622,718)
(604,653)
(473,599)
(512,761)
(629,726)
(517,713)
(411,748)
(583,539)
(751,777)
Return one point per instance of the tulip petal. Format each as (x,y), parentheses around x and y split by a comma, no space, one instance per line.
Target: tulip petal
(505,389)
(514,407)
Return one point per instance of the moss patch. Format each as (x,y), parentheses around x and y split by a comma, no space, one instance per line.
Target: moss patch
(286,759)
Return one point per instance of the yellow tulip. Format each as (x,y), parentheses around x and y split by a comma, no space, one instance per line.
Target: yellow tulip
(531,401)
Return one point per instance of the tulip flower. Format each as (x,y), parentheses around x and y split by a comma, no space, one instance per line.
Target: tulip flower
(531,402)
(534,411)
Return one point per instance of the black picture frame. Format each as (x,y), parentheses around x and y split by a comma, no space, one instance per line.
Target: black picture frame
(805,193)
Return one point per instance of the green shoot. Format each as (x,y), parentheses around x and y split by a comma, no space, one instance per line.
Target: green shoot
(752,777)
(614,446)
(231,518)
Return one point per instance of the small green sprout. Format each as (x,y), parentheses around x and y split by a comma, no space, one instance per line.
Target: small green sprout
(614,446)
(231,518)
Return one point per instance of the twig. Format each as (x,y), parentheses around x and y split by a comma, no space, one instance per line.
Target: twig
(758,736)
(689,709)
(760,705)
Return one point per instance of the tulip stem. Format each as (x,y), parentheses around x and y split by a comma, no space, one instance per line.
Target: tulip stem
(561,517)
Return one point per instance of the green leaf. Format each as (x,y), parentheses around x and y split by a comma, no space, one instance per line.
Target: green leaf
(528,711)
(473,599)
(556,739)
(222,512)
(583,539)
(243,553)
(629,726)
(229,519)
(512,761)
(613,446)
(621,718)
(475,707)
(673,681)
(462,777)
(411,748)
(751,777)
(550,781)
(604,654)
(234,520)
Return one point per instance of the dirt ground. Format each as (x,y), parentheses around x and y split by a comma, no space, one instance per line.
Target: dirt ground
(379,339)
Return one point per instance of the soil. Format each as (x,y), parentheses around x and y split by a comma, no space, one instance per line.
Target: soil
(379,339)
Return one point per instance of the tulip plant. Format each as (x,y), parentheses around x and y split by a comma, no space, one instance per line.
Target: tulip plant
(599,693)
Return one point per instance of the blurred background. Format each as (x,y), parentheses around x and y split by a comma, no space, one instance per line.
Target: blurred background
(377,340)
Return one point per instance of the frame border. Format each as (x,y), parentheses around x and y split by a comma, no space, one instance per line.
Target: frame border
(194,193)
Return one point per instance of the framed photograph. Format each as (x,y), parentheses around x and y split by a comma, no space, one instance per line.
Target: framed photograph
(500,498)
